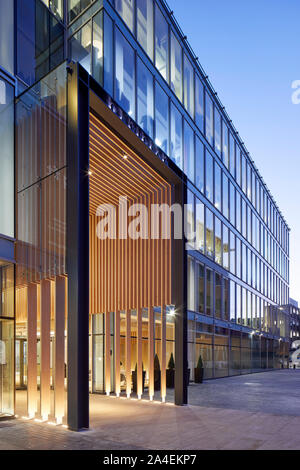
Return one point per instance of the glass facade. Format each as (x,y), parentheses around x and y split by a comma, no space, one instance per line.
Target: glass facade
(7,36)
(238,268)
(40,40)
(7,158)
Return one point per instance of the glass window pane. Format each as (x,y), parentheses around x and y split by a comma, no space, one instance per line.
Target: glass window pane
(7,291)
(209,176)
(238,165)
(225,155)
(81,45)
(232,302)
(144,10)
(232,253)
(57,6)
(176,67)
(209,235)
(225,196)
(176,136)
(218,186)
(188,87)
(7,366)
(232,155)
(225,247)
(161,43)
(218,295)
(7,159)
(191,284)
(226,299)
(218,241)
(209,119)
(145,98)
(209,292)
(98,47)
(232,204)
(7,35)
(199,226)
(125,8)
(189,152)
(200,288)
(125,76)
(190,217)
(161,119)
(108,55)
(199,165)
(217,132)
(75,7)
(199,103)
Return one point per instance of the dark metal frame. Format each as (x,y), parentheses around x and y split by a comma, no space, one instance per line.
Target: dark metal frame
(78,247)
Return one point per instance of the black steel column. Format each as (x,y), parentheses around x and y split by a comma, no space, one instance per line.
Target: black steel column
(179,281)
(78,247)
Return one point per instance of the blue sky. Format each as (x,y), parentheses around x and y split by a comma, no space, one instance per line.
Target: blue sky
(250,50)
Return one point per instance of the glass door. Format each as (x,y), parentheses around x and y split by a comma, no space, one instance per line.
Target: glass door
(6,367)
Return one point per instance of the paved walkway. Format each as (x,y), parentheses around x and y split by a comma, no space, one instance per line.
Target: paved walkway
(260,411)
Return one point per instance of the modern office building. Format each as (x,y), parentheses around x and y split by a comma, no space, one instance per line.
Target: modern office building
(104,103)
(293,310)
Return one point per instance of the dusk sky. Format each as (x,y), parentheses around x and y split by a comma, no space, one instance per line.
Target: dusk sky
(250,50)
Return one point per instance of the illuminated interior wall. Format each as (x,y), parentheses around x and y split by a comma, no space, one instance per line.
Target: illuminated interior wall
(130,280)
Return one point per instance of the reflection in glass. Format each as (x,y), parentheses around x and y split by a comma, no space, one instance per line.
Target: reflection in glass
(232,203)
(209,119)
(188,87)
(218,295)
(7,35)
(218,187)
(226,299)
(144,11)
(232,154)
(209,292)
(232,253)
(225,196)
(176,136)
(232,302)
(176,67)
(145,98)
(98,48)
(209,233)
(218,241)
(108,55)
(199,103)
(199,165)
(217,132)
(81,46)
(125,76)
(238,165)
(199,226)
(189,152)
(161,43)
(209,176)
(200,276)
(225,155)
(7,159)
(161,119)
(191,284)
(125,8)
(225,247)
